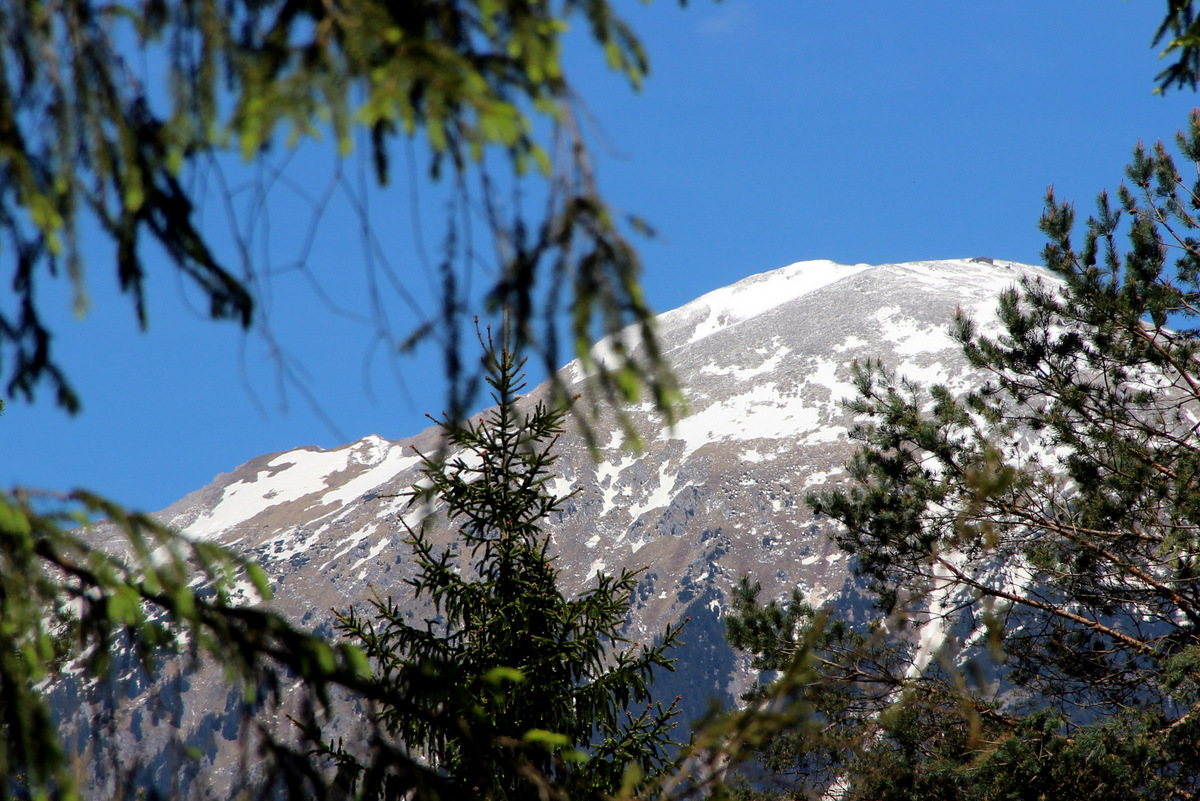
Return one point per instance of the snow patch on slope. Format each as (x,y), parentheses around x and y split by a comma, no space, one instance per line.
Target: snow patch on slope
(911,337)
(298,473)
(661,495)
(763,412)
(392,462)
(769,411)
(757,294)
(745,374)
(295,474)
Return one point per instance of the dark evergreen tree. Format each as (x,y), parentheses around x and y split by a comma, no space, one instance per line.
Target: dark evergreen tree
(1044,528)
(90,139)
(522,690)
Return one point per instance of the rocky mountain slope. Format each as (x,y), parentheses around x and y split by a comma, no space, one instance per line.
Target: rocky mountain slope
(764,363)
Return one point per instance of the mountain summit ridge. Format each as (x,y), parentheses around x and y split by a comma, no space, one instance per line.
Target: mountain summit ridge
(765,364)
(762,361)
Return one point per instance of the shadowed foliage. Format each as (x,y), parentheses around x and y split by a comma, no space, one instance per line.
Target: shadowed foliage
(549,697)
(1031,543)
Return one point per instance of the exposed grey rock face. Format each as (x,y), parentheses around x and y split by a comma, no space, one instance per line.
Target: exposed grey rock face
(765,364)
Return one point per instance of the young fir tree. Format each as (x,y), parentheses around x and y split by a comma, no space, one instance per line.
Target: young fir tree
(1050,518)
(523,690)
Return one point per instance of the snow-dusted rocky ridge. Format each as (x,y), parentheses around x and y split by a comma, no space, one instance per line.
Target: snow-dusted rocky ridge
(764,363)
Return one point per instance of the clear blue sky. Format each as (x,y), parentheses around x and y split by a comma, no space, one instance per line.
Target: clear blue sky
(769,131)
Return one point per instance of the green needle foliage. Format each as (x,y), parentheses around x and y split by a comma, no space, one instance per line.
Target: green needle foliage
(69,607)
(113,114)
(1180,31)
(526,692)
(1045,523)
(91,140)
(66,604)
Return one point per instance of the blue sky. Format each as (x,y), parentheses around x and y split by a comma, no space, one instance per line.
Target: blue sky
(769,131)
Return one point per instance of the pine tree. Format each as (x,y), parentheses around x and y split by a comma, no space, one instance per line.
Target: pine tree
(1047,523)
(522,690)
(91,139)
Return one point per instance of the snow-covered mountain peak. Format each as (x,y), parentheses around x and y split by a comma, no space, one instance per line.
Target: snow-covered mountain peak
(751,297)
(765,364)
